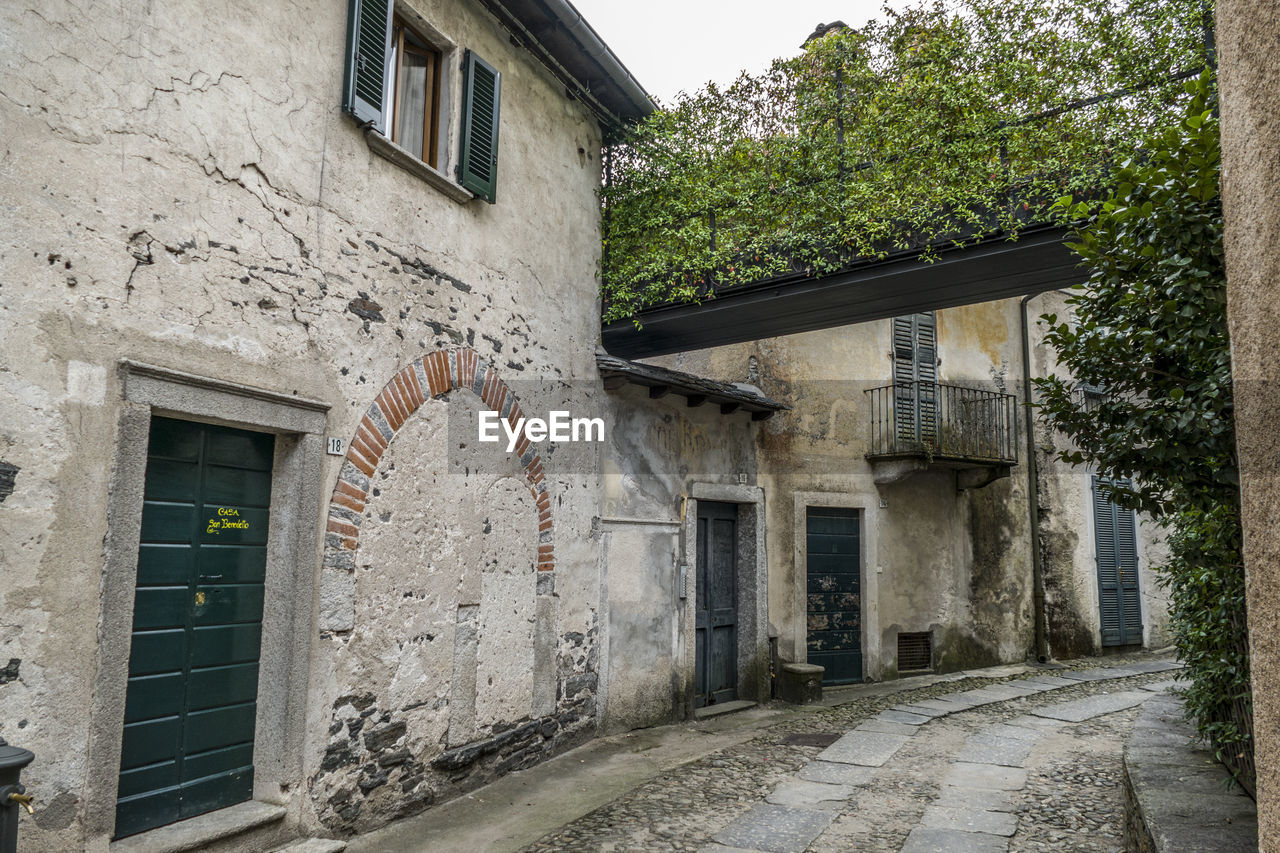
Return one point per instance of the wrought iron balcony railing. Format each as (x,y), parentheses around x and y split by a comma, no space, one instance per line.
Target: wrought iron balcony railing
(948,423)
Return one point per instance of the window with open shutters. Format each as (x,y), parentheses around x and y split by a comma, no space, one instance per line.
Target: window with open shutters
(396,84)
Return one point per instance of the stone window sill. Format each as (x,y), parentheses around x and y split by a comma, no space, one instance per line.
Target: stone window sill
(196,833)
(388,150)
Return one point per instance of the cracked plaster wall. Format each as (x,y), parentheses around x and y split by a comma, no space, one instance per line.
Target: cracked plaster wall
(178,187)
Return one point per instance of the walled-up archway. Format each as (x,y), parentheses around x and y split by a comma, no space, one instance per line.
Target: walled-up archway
(446,668)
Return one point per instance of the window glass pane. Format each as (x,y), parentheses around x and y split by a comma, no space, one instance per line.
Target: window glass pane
(413,93)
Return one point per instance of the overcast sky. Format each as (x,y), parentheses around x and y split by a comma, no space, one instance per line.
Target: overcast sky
(669,45)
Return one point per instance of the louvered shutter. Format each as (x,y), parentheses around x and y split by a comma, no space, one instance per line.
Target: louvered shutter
(368,55)
(927,377)
(915,374)
(1104,531)
(481,97)
(1127,569)
(904,374)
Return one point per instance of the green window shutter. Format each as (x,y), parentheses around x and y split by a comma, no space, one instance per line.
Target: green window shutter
(481,90)
(915,360)
(368,54)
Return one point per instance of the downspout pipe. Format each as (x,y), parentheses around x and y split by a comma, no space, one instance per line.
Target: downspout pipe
(1033,492)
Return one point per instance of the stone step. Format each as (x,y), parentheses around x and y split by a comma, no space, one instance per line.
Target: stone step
(314,845)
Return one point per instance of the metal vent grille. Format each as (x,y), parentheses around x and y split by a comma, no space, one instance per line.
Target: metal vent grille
(915,652)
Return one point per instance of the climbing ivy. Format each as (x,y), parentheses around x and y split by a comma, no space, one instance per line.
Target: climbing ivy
(933,125)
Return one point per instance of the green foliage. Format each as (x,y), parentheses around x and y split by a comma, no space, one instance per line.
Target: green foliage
(1205,577)
(911,131)
(1149,330)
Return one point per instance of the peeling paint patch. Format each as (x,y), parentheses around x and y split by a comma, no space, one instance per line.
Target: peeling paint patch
(8,473)
(10,671)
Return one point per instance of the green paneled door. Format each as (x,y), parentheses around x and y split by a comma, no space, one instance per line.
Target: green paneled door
(197,624)
(834,566)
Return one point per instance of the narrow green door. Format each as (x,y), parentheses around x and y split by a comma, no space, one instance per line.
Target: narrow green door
(197,624)
(1115,533)
(834,566)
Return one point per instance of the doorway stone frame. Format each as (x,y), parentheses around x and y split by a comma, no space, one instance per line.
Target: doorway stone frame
(753,588)
(291,576)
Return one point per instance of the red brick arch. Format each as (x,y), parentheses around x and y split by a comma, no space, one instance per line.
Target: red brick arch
(430,376)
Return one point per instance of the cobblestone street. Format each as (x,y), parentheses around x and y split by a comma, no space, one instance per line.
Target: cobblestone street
(970,764)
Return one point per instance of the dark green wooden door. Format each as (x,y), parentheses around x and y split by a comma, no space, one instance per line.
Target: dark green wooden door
(716,621)
(834,569)
(197,624)
(1115,531)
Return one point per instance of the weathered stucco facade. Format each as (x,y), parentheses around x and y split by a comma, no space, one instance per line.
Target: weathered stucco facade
(192,198)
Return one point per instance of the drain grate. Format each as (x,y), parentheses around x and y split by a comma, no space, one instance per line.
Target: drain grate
(812,738)
(915,652)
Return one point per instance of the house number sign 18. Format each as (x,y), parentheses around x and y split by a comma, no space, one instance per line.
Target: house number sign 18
(335,446)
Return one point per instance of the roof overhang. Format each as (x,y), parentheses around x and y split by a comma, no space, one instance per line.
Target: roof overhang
(992,268)
(730,397)
(563,41)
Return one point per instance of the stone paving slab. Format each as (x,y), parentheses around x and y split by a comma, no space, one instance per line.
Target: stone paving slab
(950,706)
(886,727)
(973,775)
(834,773)
(810,795)
(868,749)
(1050,681)
(1142,737)
(1091,674)
(922,840)
(922,710)
(903,717)
(720,848)
(1006,752)
(1027,721)
(981,799)
(775,829)
(1026,685)
(1079,710)
(1163,686)
(996,671)
(1146,666)
(1004,731)
(969,820)
(978,696)
(1010,690)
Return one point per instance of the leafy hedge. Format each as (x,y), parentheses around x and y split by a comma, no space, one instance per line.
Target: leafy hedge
(1150,330)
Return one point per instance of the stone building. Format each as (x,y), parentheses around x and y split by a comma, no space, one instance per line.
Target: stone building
(238,241)
(914,430)
(265,279)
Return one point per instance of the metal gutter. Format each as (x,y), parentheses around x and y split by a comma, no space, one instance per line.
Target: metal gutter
(595,47)
(614,96)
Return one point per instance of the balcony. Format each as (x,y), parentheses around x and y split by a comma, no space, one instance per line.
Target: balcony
(918,426)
